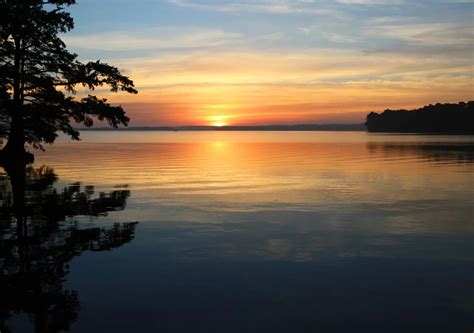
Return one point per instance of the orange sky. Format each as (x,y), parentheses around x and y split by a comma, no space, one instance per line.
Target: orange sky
(267,88)
(281,62)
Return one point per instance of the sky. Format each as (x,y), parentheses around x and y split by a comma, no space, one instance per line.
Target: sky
(242,62)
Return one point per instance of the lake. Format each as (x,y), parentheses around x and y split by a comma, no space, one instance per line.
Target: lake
(240,232)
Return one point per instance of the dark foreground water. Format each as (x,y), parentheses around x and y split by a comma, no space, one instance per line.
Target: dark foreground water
(240,232)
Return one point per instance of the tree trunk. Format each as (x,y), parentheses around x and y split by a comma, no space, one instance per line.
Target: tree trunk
(14,152)
(16,137)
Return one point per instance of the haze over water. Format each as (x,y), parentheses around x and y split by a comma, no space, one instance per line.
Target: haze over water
(275,231)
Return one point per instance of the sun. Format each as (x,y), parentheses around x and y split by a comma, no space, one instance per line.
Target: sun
(218,121)
(219,124)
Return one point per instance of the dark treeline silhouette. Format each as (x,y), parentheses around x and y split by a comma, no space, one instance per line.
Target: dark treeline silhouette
(298,127)
(438,118)
(39,237)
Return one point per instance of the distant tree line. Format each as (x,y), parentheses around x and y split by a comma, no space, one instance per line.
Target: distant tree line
(298,127)
(438,118)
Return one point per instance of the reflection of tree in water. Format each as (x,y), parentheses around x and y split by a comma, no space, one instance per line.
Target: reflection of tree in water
(435,152)
(38,238)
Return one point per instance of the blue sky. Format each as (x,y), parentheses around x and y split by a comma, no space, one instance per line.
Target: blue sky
(279,61)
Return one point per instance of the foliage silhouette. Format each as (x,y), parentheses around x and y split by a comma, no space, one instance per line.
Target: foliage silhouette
(39,237)
(439,118)
(34,66)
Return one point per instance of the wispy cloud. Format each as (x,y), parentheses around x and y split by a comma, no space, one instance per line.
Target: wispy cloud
(261,6)
(428,34)
(314,85)
(330,34)
(153,39)
(372,2)
(296,67)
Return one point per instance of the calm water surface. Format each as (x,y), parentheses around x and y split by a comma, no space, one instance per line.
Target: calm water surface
(240,232)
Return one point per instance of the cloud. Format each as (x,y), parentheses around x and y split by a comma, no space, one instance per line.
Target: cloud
(154,39)
(372,2)
(262,6)
(401,2)
(329,33)
(295,86)
(427,34)
(294,67)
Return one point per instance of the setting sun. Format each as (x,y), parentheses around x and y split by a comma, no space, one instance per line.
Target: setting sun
(218,121)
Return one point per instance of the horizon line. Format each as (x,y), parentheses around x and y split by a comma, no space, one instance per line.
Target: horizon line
(331,127)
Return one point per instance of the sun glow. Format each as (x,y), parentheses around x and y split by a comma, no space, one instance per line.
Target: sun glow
(218,121)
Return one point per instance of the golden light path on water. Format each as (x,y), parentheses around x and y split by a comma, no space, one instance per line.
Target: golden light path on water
(202,176)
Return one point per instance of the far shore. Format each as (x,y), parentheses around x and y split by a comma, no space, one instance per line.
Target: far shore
(302,127)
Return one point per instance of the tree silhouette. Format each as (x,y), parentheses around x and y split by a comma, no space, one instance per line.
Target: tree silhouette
(438,118)
(38,238)
(39,77)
